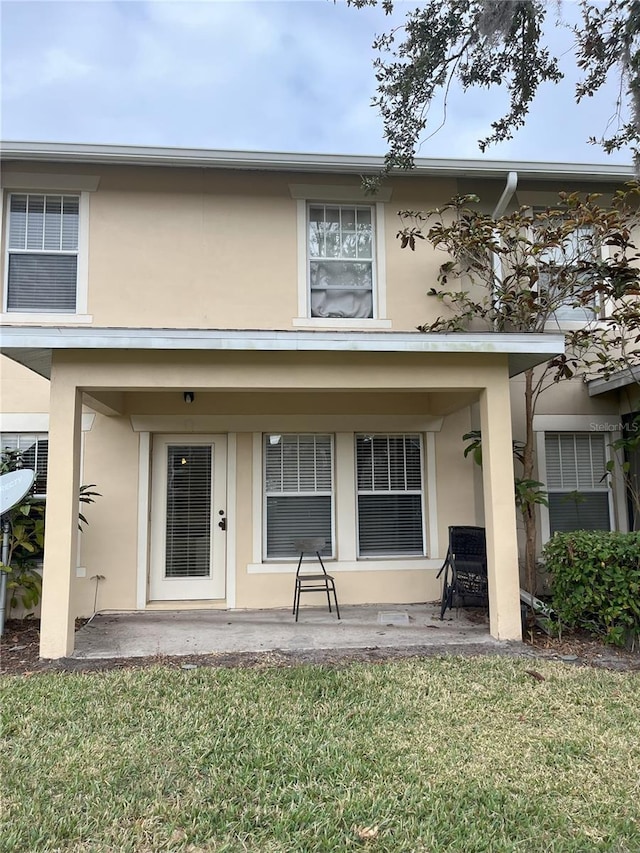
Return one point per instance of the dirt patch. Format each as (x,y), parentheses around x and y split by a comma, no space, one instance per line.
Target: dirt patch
(19,654)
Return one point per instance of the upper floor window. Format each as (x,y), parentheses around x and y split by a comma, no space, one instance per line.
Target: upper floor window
(341,252)
(42,253)
(560,266)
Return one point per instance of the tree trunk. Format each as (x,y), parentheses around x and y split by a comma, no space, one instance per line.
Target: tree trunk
(528,464)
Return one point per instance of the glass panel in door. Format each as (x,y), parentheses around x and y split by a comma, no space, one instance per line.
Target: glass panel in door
(188,538)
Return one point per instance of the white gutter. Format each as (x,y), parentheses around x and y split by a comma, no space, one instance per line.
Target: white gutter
(354,164)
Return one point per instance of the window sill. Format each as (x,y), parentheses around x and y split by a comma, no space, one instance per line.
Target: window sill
(387,564)
(15,317)
(339,323)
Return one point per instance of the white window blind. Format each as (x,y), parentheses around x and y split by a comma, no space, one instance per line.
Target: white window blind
(389,488)
(42,249)
(33,453)
(298,477)
(341,271)
(188,518)
(577,487)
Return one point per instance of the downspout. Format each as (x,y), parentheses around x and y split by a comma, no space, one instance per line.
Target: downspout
(501,206)
(507,195)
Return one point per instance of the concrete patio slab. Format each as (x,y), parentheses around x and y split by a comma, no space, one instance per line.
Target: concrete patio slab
(200,632)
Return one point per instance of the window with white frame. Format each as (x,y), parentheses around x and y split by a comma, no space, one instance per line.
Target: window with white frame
(340,255)
(298,492)
(577,248)
(389,495)
(28,451)
(577,485)
(42,253)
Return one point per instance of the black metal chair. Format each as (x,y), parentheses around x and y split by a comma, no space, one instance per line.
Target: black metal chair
(313,582)
(465,569)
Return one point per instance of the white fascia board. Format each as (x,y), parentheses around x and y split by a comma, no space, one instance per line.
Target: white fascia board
(622,379)
(301,162)
(61,337)
(33,346)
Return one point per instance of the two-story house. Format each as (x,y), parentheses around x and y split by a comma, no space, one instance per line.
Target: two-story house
(225,344)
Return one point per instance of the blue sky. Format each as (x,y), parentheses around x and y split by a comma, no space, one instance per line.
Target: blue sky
(264,75)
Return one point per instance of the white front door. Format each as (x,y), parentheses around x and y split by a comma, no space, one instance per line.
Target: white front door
(188,517)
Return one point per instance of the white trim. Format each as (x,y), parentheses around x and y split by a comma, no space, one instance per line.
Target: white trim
(541,459)
(232,527)
(81,253)
(64,152)
(371,564)
(257,340)
(431,494)
(576,423)
(35,421)
(189,588)
(256,496)
(45,319)
(373,491)
(346,544)
(614,516)
(380,269)
(339,323)
(82,272)
(338,193)
(378,283)
(324,492)
(49,181)
(301,238)
(286,423)
(619,517)
(620,379)
(144,519)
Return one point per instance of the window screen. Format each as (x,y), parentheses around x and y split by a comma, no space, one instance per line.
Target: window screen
(577,487)
(298,476)
(31,451)
(42,249)
(389,490)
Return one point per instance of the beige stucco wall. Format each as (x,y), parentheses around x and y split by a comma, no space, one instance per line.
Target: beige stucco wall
(192,248)
(21,390)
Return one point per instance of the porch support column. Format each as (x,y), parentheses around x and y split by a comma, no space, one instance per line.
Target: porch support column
(61,525)
(500,512)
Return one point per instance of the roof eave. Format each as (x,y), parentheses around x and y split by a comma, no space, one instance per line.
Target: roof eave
(60,152)
(33,346)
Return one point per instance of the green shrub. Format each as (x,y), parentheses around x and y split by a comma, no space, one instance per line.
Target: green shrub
(596,582)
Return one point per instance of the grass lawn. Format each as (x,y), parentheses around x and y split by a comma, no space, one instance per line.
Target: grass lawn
(442,754)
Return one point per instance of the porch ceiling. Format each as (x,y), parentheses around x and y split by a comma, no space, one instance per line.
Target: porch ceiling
(33,346)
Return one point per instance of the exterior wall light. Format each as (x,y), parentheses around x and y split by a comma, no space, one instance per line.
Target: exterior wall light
(189,396)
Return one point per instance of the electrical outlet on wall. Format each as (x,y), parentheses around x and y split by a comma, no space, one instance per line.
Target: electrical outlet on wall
(81,572)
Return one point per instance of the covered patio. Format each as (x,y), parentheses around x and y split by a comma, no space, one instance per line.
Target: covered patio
(230,391)
(219,632)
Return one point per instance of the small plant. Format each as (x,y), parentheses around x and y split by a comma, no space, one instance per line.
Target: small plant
(26,540)
(596,582)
